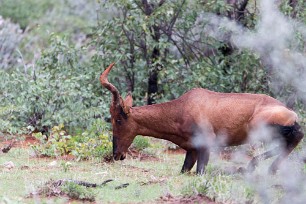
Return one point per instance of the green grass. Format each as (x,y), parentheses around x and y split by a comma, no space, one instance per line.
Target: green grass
(148,180)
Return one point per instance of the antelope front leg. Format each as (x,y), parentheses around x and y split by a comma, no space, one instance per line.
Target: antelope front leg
(190,159)
(203,157)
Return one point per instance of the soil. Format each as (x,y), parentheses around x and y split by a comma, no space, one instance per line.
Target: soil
(23,141)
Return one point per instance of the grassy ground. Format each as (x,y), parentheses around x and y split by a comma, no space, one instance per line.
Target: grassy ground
(149,179)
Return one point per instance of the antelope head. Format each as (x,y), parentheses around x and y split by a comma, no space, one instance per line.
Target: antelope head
(122,123)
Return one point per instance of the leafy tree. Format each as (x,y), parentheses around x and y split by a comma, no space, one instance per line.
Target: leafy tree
(163,49)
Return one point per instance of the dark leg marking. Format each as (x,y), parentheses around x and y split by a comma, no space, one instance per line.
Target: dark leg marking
(190,160)
(203,157)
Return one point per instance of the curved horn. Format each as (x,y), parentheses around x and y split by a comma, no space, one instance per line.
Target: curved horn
(109,86)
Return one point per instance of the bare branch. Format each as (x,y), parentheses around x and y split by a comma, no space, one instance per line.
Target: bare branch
(173,20)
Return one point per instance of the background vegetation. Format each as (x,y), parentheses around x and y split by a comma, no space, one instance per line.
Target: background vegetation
(50,59)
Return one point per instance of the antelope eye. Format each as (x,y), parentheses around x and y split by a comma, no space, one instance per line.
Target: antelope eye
(118,121)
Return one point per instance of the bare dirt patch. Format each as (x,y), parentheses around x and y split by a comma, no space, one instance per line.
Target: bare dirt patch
(20,141)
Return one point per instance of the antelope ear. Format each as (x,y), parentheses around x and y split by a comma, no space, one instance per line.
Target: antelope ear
(127,103)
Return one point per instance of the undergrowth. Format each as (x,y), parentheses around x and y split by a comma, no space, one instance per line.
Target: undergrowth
(140,143)
(220,186)
(94,143)
(83,145)
(78,192)
(69,189)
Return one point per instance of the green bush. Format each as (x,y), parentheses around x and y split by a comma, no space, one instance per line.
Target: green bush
(57,144)
(195,187)
(99,147)
(65,188)
(140,143)
(240,72)
(60,89)
(75,191)
(85,145)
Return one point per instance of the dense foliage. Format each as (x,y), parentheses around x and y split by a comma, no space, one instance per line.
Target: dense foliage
(91,144)
(162,49)
(169,44)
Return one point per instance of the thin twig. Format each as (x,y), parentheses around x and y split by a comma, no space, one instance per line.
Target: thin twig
(122,186)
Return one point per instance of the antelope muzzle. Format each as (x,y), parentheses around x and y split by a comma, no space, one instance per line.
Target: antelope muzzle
(118,155)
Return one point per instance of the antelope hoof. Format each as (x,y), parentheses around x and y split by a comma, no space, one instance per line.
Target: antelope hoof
(119,157)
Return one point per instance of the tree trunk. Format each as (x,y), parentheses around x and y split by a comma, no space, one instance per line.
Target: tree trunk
(152,87)
(154,68)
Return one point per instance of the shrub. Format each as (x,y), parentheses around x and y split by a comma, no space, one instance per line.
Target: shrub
(85,145)
(57,144)
(75,191)
(197,186)
(65,188)
(99,147)
(141,143)
(57,90)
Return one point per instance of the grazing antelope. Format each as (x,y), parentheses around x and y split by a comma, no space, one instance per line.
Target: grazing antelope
(200,118)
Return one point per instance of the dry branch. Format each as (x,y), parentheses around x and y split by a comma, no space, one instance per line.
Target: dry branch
(81,183)
(122,186)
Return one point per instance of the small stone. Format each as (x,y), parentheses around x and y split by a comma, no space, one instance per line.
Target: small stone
(9,165)
(52,164)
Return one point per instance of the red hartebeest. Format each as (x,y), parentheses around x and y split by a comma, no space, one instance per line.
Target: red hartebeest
(198,119)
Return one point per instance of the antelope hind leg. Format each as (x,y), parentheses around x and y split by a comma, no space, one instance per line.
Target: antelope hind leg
(291,139)
(266,155)
(190,159)
(291,136)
